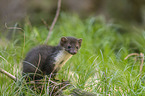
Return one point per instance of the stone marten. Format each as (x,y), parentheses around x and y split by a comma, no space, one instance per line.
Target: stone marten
(44,59)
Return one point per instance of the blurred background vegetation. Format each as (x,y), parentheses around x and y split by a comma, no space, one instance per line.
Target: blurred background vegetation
(15,12)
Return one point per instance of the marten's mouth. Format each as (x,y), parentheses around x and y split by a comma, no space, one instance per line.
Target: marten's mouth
(73,53)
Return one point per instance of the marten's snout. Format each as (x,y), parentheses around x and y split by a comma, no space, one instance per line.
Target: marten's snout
(73,52)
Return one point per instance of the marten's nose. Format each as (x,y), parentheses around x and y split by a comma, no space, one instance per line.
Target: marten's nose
(73,52)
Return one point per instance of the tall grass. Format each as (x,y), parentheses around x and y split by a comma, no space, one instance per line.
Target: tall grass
(99,66)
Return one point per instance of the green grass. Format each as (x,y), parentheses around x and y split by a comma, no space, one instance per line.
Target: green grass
(99,66)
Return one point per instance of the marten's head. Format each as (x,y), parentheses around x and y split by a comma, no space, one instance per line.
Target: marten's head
(71,44)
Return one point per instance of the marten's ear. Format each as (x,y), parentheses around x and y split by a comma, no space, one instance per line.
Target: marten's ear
(63,39)
(80,41)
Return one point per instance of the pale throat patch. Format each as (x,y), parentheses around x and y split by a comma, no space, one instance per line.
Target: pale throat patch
(61,58)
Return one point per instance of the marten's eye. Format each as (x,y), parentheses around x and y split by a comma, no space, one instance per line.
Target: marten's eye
(77,47)
(68,47)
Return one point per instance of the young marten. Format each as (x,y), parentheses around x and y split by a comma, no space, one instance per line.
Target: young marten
(44,59)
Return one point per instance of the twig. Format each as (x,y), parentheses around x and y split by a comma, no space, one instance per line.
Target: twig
(18,28)
(4,59)
(54,20)
(37,66)
(48,83)
(52,91)
(8,74)
(131,55)
(42,87)
(142,60)
(12,27)
(61,89)
(45,23)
